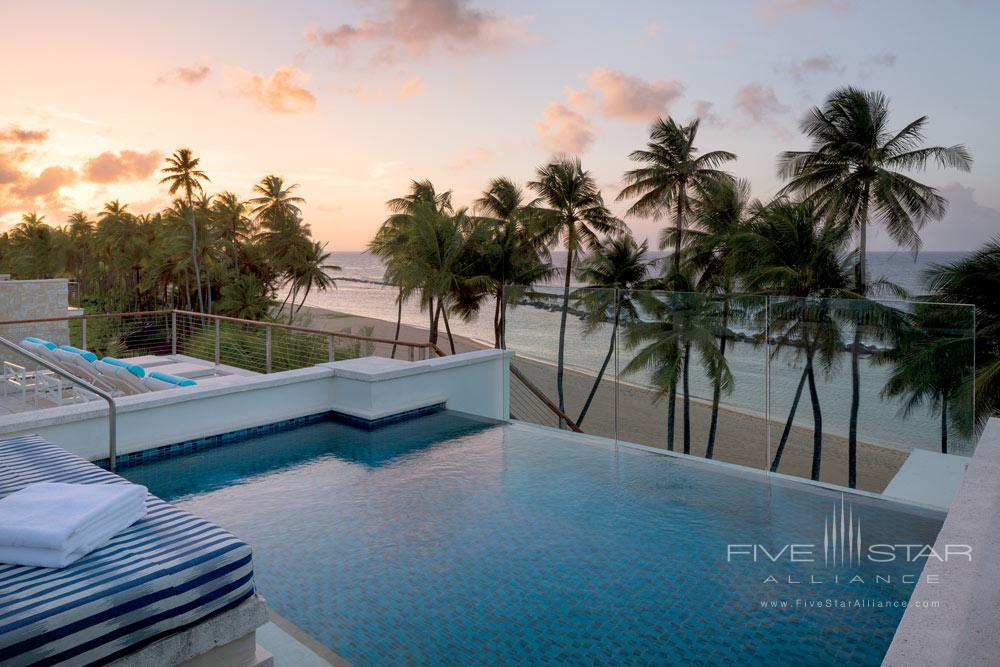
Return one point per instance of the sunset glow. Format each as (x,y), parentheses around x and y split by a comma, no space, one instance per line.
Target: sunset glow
(353,100)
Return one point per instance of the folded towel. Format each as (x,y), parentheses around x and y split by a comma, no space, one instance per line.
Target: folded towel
(97,537)
(64,522)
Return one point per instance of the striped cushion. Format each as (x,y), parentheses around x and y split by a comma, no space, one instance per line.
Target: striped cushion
(166,573)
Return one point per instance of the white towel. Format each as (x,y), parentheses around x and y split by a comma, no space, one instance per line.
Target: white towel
(54,524)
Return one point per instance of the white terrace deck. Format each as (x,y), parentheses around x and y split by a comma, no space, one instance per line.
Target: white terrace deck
(47,391)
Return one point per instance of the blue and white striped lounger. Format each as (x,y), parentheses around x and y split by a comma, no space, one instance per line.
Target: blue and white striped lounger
(165,574)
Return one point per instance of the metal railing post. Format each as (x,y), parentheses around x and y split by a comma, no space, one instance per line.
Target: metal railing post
(218,355)
(83,333)
(173,332)
(267,349)
(330,352)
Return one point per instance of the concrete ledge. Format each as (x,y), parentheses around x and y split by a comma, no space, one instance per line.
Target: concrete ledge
(928,478)
(963,629)
(227,631)
(380,369)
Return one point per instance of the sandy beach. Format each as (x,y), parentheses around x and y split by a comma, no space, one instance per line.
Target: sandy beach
(741,437)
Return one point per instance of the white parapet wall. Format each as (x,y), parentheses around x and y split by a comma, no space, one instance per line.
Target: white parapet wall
(367,388)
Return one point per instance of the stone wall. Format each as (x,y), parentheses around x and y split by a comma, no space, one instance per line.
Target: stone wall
(35,299)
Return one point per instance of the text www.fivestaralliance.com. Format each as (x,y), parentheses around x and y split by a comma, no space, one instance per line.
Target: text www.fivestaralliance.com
(846,603)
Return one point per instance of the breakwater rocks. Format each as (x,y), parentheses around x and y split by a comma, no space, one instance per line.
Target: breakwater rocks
(731,334)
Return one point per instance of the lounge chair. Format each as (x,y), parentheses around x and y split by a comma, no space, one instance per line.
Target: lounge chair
(120,377)
(83,369)
(42,382)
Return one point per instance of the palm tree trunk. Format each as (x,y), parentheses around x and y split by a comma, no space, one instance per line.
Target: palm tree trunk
(717,386)
(503,325)
(604,366)
(861,273)
(687,399)
(852,433)
(194,255)
(944,424)
(817,419)
(496,318)
(399,321)
(447,328)
(788,424)
(681,188)
(436,307)
(562,332)
(671,414)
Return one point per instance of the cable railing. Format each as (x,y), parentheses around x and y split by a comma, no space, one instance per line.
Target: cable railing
(249,345)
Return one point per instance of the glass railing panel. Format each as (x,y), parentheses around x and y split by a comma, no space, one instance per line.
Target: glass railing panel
(565,345)
(875,381)
(702,358)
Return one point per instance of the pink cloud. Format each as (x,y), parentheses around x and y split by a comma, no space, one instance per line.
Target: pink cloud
(819,64)
(412,87)
(125,166)
(776,10)
(46,183)
(620,95)
(759,102)
(282,92)
(472,157)
(17,135)
(187,75)
(562,130)
(420,26)
(703,111)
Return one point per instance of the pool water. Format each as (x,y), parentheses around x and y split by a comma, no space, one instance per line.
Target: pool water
(446,540)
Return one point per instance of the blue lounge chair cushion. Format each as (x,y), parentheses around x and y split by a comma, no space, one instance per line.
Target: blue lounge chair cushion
(89,356)
(173,379)
(39,341)
(134,369)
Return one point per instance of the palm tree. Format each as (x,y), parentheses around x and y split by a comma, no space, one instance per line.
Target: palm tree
(617,266)
(81,230)
(310,272)
(182,174)
(233,226)
(931,360)
(671,172)
(116,236)
(441,260)
(720,212)
(785,252)
(275,205)
(34,247)
(513,255)
(570,210)
(391,245)
(674,325)
(855,171)
(976,280)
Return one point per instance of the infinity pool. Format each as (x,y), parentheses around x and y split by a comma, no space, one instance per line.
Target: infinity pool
(445,540)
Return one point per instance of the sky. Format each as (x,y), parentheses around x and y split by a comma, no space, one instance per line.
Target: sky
(352,100)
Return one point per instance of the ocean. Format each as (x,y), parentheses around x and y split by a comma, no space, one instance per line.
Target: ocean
(533,332)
